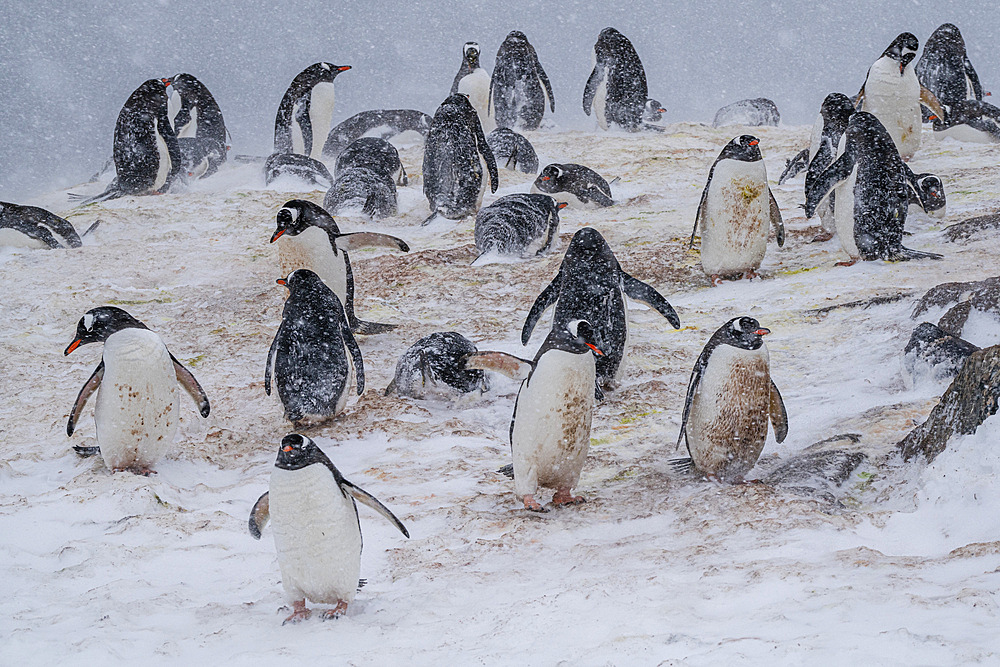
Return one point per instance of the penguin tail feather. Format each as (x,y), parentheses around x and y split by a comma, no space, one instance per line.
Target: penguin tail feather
(904,254)
(369,328)
(362,583)
(507,470)
(85,452)
(111,193)
(682,466)
(92,227)
(429,219)
(653,128)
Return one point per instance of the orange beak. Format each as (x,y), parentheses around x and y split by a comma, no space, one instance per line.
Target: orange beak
(286,448)
(166,82)
(281,281)
(344,68)
(762,332)
(72,346)
(754,142)
(277,235)
(662,110)
(546,178)
(594,348)
(561,205)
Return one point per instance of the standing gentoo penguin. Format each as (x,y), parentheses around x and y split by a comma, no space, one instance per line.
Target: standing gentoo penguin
(312,240)
(872,193)
(136,383)
(317,532)
(474,82)
(945,70)
(456,161)
(198,124)
(581,186)
(735,208)
(518,224)
(434,368)
(306,111)
(550,427)
(834,115)
(893,94)
(729,399)
(519,86)
(591,285)
(616,89)
(314,354)
(33,227)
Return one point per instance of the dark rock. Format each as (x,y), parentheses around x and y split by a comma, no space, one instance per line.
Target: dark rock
(981,295)
(968,229)
(934,353)
(821,468)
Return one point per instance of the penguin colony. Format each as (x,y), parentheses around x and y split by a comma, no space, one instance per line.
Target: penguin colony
(857,181)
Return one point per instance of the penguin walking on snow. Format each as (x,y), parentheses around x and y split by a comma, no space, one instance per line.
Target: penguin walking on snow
(199,126)
(306,111)
(136,384)
(736,206)
(616,91)
(519,87)
(314,355)
(945,70)
(729,399)
(34,227)
(550,427)
(474,82)
(311,239)
(580,186)
(317,532)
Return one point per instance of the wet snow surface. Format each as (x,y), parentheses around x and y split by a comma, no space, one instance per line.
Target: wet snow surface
(902,568)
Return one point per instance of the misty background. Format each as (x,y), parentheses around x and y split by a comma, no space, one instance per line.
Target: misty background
(66,67)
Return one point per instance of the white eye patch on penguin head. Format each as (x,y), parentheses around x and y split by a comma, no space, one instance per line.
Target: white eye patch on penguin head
(88,321)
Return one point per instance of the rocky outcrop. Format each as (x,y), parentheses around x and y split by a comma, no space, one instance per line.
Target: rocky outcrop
(934,354)
(968,229)
(981,295)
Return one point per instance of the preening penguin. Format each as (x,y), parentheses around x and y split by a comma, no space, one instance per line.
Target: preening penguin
(199,126)
(969,120)
(835,113)
(927,194)
(729,398)
(518,224)
(736,206)
(306,111)
(386,122)
(945,70)
(375,154)
(434,368)
(616,90)
(512,150)
(581,186)
(33,227)
(519,86)
(317,532)
(136,383)
(474,82)
(311,239)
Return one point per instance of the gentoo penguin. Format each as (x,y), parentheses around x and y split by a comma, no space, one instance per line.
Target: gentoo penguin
(834,115)
(147,155)
(591,285)
(653,111)
(136,384)
(386,123)
(314,354)
(893,94)
(729,398)
(945,70)
(302,167)
(616,90)
(311,239)
(758,112)
(434,368)
(581,186)
(198,124)
(971,121)
(365,189)
(927,194)
(933,354)
(519,224)
(550,427)
(474,82)
(456,161)
(519,86)
(317,531)
(33,227)
(736,206)
(872,193)
(375,154)
(306,111)
(512,150)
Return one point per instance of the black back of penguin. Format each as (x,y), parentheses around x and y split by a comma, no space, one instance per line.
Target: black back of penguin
(198,107)
(302,167)
(142,132)
(360,187)
(519,87)
(513,150)
(294,106)
(515,223)
(36,223)
(944,67)
(435,366)
(836,113)
(587,186)
(617,62)
(371,153)
(388,123)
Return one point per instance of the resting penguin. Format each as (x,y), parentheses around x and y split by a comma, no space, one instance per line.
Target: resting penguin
(971,121)
(729,398)
(456,160)
(512,150)
(893,94)
(872,194)
(757,112)
(519,224)
(310,239)
(474,82)
(362,188)
(581,186)
(375,154)
(616,90)
(945,70)
(519,86)
(736,206)
(434,368)
(136,383)
(834,116)
(927,194)
(550,427)
(653,111)
(33,227)
(591,285)
(387,123)
(314,354)
(306,111)
(198,124)
(317,531)
(302,167)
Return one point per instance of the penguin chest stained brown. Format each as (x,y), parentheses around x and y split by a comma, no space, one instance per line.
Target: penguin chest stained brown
(734,221)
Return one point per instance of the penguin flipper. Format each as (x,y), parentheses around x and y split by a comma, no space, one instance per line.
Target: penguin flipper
(391,389)
(357,240)
(89,387)
(90,229)
(352,347)
(970,72)
(779,417)
(794,166)
(590,90)
(817,190)
(701,208)
(259,515)
(548,297)
(693,384)
(371,501)
(501,362)
(270,360)
(905,254)
(371,328)
(507,470)
(930,100)
(776,222)
(639,291)
(599,196)
(191,386)
(487,153)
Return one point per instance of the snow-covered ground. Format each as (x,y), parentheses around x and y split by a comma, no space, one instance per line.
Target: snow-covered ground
(98,567)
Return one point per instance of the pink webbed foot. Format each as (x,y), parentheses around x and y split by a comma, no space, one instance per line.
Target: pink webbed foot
(750,275)
(335,613)
(715,279)
(533,505)
(850,263)
(821,237)
(299,613)
(566,497)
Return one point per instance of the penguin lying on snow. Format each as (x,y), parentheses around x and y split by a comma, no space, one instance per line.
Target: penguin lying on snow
(434,368)
(34,227)
(302,167)
(581,186)
(927,194)
(512,150)
(616,89)
(474,82)
(933,353)
(311,239)
(519,86)
(360,187)
(306,111)
(945,70)
(518,224)
(199,126)
(386,122)
(729,399)
(136,382)
(317,532)
(591,285)
(314,355)
(375,154)
(757,112)
(969,120)
(653,111)
(550,427)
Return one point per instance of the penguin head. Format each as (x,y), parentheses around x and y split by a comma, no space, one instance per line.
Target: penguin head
(947,37)
(744,332)
(903,50)
(297,215)
(588,247)
(182,84)
(324,71)
(471,54)
(99,323)
(296,452)
(548,178)
(516,36)
(837,109)
(301,279)
(744,148)
(580,337)
(653,111)
(931,193)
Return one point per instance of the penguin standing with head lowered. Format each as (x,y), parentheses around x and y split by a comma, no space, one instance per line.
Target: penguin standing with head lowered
(736,207)
(306,111)
(474,82)
(317,532)
(198,123)
(519,86)
(730,397)
(136,384)
(616,91)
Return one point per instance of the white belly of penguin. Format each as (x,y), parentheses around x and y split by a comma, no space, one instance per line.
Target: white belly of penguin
(734,227)
(320,116)
(191,128)
(163,166)
(11,238)
(895,101)
(477,87)
(136,406)
(551,434)
(316,535)
(843,214)
(311,250)
(968,134)
(601,102)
